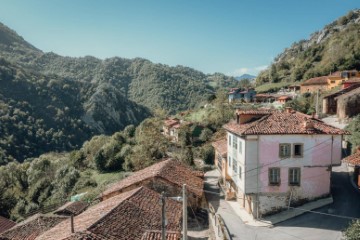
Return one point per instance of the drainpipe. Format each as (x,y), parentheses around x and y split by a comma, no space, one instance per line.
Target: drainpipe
(257,179)
(331,159)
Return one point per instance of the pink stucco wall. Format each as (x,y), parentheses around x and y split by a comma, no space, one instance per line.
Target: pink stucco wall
(315,174)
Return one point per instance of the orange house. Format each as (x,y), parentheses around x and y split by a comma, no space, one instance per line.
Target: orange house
(325,83)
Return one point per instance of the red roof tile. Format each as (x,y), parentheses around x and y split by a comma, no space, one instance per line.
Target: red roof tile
(125,216)
(156,235)
(32,227)
(353,80)
(72,208)
(221,147)
(278,122)
(284,97)
(316,81)
(353,159)
(5,224)
(170,170)
(171,122)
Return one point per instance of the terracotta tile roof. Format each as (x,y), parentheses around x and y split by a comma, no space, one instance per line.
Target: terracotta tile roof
(221,147)
(125,216)
(86,235)
(5,224)
(342,91)
(316,81)
(353,92)
(171,122)
(156,235)
(254,112)
(32,227)
(284,97)
(72,208)
(278,122)
(353,80)
(337,74)
(261,95)
(170,170)
(353,159)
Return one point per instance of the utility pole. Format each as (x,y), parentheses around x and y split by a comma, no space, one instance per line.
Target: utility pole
(317,103)
(163,217)
(184,213)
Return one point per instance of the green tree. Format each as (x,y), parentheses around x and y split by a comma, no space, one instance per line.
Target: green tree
(353,231)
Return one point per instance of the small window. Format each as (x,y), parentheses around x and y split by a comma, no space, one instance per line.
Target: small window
(284,150)
(234,142)
(229,140)
(240,146)
(274,176)
(229,161)
(298,150)
(332,81)
(234,166)
(294,176)
(240,172)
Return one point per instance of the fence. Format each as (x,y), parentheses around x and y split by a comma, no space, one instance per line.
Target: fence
(220,229)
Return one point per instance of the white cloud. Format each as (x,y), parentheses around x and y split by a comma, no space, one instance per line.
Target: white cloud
(252,71)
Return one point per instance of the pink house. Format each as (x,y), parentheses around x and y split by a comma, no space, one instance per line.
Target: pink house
(276,158)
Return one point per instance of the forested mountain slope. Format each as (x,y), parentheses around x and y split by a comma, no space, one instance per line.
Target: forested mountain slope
(335,47)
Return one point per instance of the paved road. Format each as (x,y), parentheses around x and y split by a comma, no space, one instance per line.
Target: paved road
(310,226)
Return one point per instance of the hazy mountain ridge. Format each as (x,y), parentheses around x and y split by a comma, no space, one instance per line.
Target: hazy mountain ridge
(76,98)
(335,47)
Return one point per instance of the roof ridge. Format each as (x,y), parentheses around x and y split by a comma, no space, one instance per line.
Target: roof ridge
(136,190)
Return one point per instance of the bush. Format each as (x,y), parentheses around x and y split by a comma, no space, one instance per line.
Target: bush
(353,231)
(207,154)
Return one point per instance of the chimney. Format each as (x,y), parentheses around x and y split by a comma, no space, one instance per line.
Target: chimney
(313,115)
(309,125)
(237,118)
(72,223)
(288,109)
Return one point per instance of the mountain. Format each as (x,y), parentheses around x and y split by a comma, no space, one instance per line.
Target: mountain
(245,76)
(335,47)
(53,103)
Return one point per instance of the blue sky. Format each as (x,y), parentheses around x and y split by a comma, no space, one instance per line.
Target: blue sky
(232,37)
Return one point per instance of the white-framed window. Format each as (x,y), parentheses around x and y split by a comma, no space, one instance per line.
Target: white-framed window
(229,140)
(234,142)
(298,149)
(240,146)
(294,176)
(234,166)
(240,172)
(274,176)
(284,150)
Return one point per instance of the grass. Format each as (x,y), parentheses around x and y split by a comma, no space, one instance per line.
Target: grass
(271,87)
(107,178)
(197,116)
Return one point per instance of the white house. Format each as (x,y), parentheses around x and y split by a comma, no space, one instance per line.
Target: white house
(280,157)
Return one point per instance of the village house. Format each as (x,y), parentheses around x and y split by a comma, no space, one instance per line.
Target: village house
(171,128)
(353,162)
(220,148)
(277,158)
(32,227)
(344,103)
(168,176)
(284,99)
(325,83)
(135,214)
(238,94)
(264,98)
(72,208)
(5,224)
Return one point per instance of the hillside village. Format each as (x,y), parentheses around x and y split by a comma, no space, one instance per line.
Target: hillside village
(234,160)
(268,162)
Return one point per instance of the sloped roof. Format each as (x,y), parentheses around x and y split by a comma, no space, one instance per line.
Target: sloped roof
(72,208)
(316,81)
(351,93)
(170,122)
(221,147)
(87,235)
(277,122)
(125,216)
(156,235)
(284,97)
(353,80)
(353,159)
(342,91)
(32,227)
(170,170)
(5,224)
